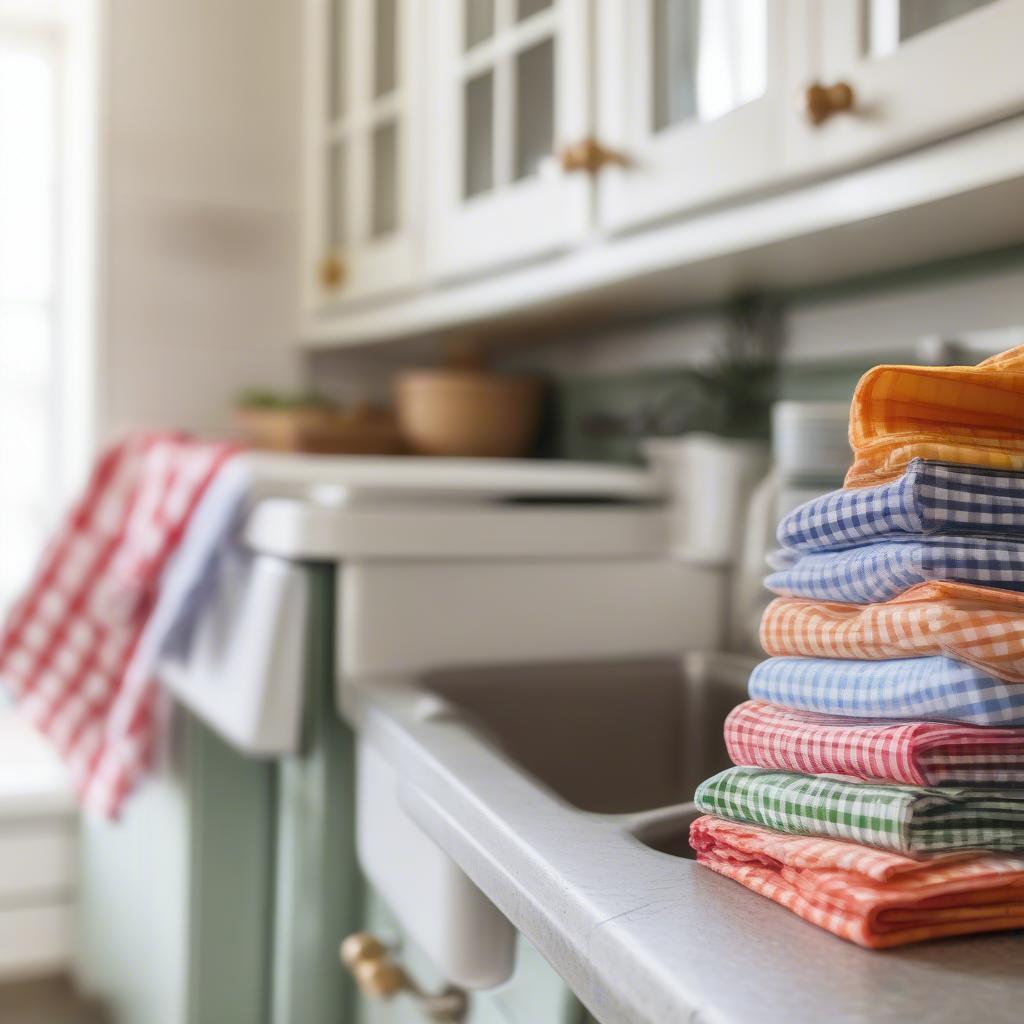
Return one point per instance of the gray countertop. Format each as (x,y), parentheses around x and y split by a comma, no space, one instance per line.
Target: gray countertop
(642,936)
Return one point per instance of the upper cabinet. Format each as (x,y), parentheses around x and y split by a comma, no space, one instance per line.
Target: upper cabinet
(363,116)
(691,97)
(508,89)
(509,152)
(885,75)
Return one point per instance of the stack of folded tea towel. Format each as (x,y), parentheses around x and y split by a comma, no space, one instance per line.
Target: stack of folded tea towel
(879,782)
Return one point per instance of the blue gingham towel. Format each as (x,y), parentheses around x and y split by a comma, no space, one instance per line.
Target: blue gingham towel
(936,689)
(878,572)
(930,498)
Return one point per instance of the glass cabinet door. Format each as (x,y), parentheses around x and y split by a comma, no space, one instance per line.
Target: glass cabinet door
(876,79)
(509,91)
(364,112)
(689,100)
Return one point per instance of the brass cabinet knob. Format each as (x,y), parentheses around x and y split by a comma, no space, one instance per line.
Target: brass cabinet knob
(588,156)
(361,946)
(820,102)
(332,271)
(380,979)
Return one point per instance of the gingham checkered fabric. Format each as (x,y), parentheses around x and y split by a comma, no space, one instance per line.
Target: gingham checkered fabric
(971,415)
(907,819)
(67,645)
(878,572)
(936,689)
(910,753)
(981,626)
(929,499)
(874,898)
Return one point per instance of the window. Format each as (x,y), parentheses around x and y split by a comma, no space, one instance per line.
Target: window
(30,240)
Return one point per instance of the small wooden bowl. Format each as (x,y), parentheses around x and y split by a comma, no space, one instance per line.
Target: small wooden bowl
(468,412)
(359,431)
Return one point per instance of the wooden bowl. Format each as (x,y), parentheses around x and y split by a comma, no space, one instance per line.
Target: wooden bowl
(468,412)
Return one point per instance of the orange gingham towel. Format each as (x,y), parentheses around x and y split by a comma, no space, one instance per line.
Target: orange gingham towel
(972,415)
(875,898)
(981,626)
(66,647)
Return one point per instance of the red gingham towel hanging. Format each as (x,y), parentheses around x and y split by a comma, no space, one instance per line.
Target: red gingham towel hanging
(66,647)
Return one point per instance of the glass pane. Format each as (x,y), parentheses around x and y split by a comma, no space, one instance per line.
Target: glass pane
(25,347)
(336,58)
(892,22)
(709,58)
(337,178)
(526,8)
(385,67)
(27,178)
(384,180)
(535,107)
(479,21)
(478,140)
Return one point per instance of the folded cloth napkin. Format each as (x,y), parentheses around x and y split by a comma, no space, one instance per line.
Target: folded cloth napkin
(880,571)
(973,415)
(978,625)
(938,688)
(67,647)
(908,819)
(874,898)
(912,753)
(929,499)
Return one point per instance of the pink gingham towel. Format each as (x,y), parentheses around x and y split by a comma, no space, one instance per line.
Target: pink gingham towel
(912,753)
(66,647)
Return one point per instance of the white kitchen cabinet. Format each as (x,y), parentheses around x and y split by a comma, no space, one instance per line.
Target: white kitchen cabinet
(693,94)
(364,113)
(917,70)
(477,161)
(509,90)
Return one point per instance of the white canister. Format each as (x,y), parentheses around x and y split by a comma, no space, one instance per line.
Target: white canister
(709,480)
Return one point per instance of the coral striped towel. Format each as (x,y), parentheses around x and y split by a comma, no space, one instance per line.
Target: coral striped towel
(912,753)
(972,415)
(66,648)
(875,898)
(981,626)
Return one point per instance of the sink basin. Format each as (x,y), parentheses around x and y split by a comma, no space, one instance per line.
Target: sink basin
(619,742)
(606,737)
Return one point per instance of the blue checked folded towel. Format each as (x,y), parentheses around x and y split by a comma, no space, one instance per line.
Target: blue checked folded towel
(931,498)
(878,572)
(933,689)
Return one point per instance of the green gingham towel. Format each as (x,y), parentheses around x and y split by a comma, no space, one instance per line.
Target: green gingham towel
(908,819)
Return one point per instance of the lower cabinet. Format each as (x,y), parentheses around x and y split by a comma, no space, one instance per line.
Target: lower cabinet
(534,994)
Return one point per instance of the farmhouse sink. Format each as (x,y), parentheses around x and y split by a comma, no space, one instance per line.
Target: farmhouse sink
(616,747)
(556,801)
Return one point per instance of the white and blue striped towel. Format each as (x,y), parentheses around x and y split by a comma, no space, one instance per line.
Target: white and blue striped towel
(878,572)
(933,689)
(931,498)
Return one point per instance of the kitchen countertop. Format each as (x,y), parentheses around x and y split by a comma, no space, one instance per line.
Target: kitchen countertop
(642,936)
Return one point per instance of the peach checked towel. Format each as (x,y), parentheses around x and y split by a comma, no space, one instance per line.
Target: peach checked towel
(971,415)
(981,626)
(875,898)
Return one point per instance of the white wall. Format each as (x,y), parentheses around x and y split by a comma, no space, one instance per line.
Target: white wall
(199,230)
(198,237)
